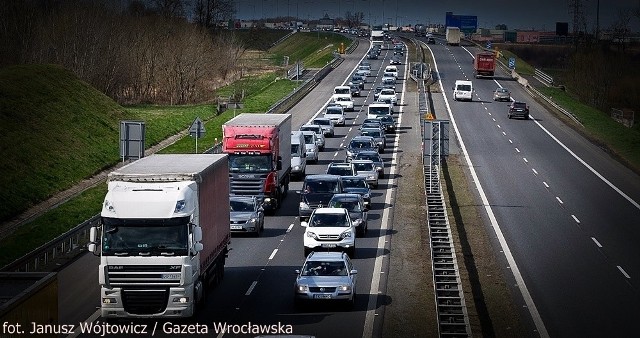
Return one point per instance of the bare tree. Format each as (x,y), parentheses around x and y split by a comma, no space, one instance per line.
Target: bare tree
(621,28)
(169,8)
(209,12)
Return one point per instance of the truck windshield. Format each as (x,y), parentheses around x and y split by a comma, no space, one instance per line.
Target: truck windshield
(249,163)
(154,237)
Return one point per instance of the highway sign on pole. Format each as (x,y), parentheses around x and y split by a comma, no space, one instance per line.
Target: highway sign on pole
(196,130)
(512,63)
(489,45)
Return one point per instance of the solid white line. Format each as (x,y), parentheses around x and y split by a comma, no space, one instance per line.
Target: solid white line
(595,172)
(535,172)
(623,272)
(596,241)
(91,319)
(575,219)
(273,254)
(545,185)
(367,331)
(253,285)
(559,200)
(290,227)
(531,306)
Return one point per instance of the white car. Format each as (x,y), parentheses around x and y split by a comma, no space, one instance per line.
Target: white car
(335,113)
(388,95)
(329,228)
(344,101)
(393,70)
(365,70)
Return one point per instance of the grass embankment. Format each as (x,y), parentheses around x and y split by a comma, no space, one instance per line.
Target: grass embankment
(313,48)
(56,130)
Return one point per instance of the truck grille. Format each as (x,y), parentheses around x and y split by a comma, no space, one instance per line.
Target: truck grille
(145,302)
(239,185)
(161,275)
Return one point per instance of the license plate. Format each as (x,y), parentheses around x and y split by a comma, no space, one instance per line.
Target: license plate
(329,245)
(322,296)
(236,227)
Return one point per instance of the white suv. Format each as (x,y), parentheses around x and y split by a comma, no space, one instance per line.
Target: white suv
(329,229)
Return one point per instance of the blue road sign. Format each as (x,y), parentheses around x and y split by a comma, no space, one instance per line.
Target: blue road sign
(488,44)
(512,63)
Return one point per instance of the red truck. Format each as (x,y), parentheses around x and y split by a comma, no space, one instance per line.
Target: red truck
(484,64)
(259,149)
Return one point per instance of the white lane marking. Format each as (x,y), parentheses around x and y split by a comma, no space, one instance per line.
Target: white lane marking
(531,306)
(498,126)
(504,133)
(290,227)
(559,200)
(494,120)
(510,141)
(596,241)
(545,185)
(517,150)
(336,153)
(575,219)
(253,285)
(535,172)
(485,107)
(375,280)
(595,172)
(273,254)
(525,160)
(623,272)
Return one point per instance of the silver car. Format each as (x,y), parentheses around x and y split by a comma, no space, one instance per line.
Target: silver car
(326,276)
(502,94)
(319,134)
(246,215)
(368,170)
(375,157)
(328,126)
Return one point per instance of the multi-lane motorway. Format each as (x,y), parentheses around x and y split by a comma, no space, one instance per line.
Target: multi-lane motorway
(564,215)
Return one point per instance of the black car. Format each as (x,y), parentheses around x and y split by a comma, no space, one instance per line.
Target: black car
(376,92)
(372,55)
(360,143)
(396,60)
(358,81)
(358,211)
(358,185)
(388,123)
(317,191)
(518,109)
(431,40)
(355,90)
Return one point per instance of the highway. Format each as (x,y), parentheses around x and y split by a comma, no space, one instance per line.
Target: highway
(260,272)
(564,212)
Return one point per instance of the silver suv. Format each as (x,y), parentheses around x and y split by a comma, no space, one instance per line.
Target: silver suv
(326,276)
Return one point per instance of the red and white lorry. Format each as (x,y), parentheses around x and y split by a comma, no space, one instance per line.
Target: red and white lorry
(484,64)
(164,235)
(259,149)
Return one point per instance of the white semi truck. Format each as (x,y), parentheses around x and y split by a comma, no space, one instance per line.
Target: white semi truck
(164,235)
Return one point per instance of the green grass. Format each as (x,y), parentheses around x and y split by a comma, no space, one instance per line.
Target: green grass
(522,67)
(314,49)
(257,39)
(621,140)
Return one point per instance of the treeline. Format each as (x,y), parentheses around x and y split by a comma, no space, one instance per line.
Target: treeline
(132,53)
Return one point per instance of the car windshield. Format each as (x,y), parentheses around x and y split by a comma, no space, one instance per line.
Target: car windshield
(363,166)
(328,220)
(294,149)
(466,88)
(241,205)
(340,170)
(354,183)
(371,157)
(352,205)
(519,105)
(388,92)
(372,133)
(145,236)
(322,122)
(318,268)
(341,91)
(321,187)
(359,144)
(334,110)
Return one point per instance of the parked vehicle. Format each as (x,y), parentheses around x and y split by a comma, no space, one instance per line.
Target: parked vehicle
(246,215)
(484,64)
(358,211)
(518,109)
(463,90)
(298,155)
(316,192)
(329,229)
(502,94)
(320,141)
(357,185)
(366,169)
(327,125)
(164,218)
(375,157)
(452,36)
(326,276)
(259,148)
(311,145)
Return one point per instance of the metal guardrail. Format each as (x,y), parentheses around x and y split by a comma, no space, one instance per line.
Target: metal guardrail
(284,37)
(543,77)
(75,240)
(533,92)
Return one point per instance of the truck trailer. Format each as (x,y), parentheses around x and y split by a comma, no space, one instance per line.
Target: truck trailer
(259,149)
(164,235)
(453,36)
(484,64)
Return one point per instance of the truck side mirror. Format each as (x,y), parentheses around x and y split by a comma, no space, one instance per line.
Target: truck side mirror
(197,234)
(198,247)
(93,237)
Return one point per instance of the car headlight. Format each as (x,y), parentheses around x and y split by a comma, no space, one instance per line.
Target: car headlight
(303,206)
(312,235)
(344,288)
(346,234)
(301,288)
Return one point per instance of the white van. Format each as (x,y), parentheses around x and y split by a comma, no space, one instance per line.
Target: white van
(298,155)
(376,110)
(463,90)
(393,70)
(342,90)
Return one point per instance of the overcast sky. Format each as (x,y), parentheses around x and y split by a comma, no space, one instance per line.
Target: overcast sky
(536,14)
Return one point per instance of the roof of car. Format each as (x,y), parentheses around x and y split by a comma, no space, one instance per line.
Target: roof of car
(326,256)
(346,196)
(361,161)
(330,210)
(321,177)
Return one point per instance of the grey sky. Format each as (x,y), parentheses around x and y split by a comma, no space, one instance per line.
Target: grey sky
(537,14)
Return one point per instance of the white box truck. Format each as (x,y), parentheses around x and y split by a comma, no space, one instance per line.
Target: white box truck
(164,235)
(453,36)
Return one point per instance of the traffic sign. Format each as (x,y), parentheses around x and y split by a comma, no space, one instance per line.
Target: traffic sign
(512,63)
(197,128)
(489,45)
